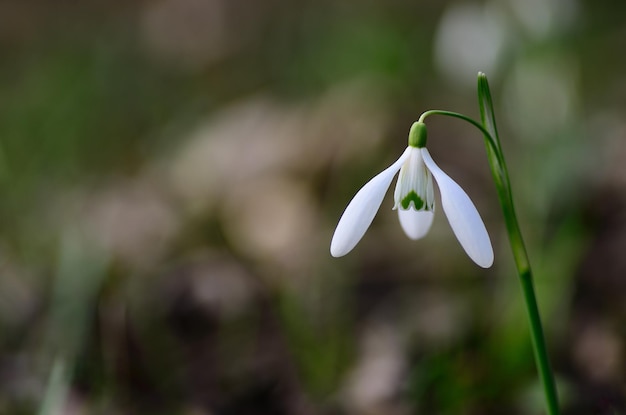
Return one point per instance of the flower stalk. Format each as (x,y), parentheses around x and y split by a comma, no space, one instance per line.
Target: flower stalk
(500,175)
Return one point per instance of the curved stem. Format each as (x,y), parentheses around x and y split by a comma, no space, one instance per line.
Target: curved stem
(494,153)
(505,195)
(492,141)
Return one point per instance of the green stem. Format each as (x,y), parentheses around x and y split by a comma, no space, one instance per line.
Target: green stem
(458,115)
(505,196)
(493,146)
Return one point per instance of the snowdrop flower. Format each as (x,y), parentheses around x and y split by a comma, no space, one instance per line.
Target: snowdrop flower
(415,203)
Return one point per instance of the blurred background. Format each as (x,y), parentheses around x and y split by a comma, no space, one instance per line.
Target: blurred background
(171,172)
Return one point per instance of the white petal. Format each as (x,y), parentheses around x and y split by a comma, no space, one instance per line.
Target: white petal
(462,215)
(361,210)
(415,223)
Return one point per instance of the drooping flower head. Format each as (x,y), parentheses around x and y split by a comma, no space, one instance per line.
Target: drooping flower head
(415,202)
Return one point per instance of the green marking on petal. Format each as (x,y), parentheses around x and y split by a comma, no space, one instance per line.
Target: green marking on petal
(412,197)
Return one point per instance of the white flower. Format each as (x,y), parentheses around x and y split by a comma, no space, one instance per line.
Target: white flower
(415,202)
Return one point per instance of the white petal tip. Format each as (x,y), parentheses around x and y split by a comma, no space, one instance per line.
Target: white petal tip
(486,262)
(415,224)
(338,252)
(479,250)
